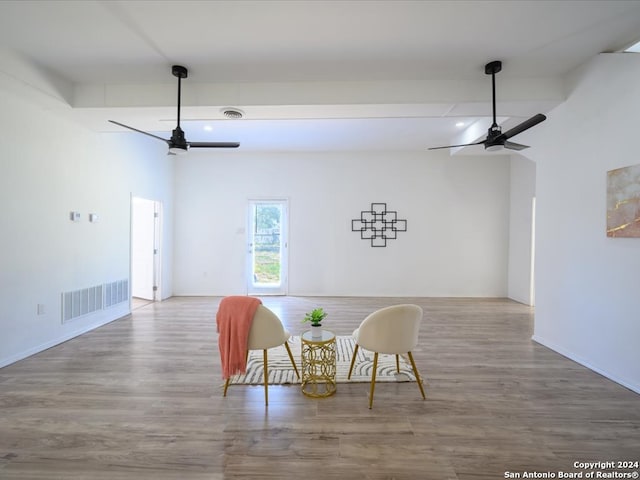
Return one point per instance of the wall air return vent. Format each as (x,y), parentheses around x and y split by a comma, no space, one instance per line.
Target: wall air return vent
(79,303)
(116,292)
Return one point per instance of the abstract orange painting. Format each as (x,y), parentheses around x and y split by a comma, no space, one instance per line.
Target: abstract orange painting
(623,202)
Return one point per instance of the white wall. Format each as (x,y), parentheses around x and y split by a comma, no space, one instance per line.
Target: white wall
(523,185)
(51,166)
(588,285)
(457,211)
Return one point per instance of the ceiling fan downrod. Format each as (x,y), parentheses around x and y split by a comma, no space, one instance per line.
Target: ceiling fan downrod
(492,68)
(180,72)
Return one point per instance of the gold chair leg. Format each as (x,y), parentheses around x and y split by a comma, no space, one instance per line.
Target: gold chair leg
(415,372)
(373,379)
(226,385)
(266,377)
(293,362)
(228,381)
(398,363)
(353,360)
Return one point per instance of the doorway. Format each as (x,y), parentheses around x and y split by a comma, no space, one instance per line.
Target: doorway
(267,247)
(145,250)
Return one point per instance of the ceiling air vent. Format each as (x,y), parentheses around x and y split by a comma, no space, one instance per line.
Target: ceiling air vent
(233,113)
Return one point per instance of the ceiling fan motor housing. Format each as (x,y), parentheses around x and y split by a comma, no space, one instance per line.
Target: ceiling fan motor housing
(177,139)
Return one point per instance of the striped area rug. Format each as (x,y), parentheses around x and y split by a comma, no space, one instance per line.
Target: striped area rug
(281,372)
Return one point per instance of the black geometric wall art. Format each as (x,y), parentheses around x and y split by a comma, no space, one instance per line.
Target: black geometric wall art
(378,225)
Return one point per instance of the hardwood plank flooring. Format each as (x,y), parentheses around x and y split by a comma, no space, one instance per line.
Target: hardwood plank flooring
(141,398)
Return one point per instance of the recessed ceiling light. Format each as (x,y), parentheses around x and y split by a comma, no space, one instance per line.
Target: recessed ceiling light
(460,124)
(208,128)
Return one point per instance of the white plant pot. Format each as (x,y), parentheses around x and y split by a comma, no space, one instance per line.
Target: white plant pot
(316,332)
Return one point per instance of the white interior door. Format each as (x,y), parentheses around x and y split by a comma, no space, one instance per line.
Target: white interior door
(144,247)
(267,247)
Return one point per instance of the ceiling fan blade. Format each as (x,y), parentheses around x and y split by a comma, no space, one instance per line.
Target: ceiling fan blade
(527,124)
(213,145)
(140,131)
(515,146)
(453,146)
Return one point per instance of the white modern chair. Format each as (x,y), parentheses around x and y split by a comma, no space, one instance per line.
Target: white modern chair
(266,332)
(390,330)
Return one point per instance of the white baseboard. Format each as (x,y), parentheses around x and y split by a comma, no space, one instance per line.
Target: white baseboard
(576,358)
(524,301)
(119,313)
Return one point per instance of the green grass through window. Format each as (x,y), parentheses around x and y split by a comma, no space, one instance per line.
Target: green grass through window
(267,267)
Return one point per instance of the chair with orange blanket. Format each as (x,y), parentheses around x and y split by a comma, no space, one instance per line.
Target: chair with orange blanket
(266,331)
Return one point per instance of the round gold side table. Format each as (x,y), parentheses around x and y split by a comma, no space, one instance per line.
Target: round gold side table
(319,364)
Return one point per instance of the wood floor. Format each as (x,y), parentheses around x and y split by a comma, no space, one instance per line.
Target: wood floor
(141,399)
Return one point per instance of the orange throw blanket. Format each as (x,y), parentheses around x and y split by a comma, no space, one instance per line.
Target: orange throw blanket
(234,318)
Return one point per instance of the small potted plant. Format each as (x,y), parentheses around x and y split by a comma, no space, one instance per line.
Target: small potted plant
(315,317)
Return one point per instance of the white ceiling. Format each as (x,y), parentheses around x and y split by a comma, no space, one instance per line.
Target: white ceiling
(309,75)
